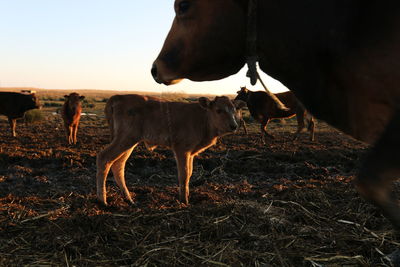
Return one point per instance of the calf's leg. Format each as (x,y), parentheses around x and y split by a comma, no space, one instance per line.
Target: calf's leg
(70,135)
(300,124)
(263,129)
(74,132)
(381,168)
(105,160)
(243,123)
(184,161)
(311,128)
(13,123)
(68,132)
(118,169)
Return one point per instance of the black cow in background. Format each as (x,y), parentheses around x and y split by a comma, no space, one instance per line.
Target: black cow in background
(263,108)
(14,105)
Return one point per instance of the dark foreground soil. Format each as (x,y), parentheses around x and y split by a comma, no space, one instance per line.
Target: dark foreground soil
(287,203)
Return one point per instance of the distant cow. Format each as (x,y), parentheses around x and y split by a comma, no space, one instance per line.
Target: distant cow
(14,105)
(71,114)
(186,128)
(262,108)
(239,116)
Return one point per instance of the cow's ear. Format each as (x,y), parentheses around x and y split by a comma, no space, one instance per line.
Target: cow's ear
(66,96)
(239,104)
(204,102)
(82,97)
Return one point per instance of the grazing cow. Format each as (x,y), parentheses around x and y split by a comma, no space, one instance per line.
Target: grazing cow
(186,128)
(14,105)
(263,109)
(341,58)
(71,114)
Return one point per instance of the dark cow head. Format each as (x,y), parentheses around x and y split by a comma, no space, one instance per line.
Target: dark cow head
(74,99)
(32,102)
(223,113)
(242,94)
(206,42)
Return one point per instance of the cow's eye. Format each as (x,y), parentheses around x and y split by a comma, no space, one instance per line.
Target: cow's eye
(183,7)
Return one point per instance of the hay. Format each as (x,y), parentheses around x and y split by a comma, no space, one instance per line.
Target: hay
(278,232)
(287,204)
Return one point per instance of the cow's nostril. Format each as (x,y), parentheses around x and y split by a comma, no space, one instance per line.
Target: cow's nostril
(154,71)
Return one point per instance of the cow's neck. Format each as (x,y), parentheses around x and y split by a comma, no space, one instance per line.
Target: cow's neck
(294,47)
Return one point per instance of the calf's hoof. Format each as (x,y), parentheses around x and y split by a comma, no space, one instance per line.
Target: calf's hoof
(102,203)
(130,201)
(102,200)
(184,201)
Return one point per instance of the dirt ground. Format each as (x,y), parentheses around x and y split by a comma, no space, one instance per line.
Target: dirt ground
(286,203)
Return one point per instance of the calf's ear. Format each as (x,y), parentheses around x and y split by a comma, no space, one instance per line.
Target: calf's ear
(204,102)
(239,104)
(82,97)
(66,96)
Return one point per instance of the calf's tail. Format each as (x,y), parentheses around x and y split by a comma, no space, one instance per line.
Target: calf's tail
(108,110)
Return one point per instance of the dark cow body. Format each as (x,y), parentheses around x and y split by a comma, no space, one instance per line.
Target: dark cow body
(341,58)
(71,114)
(262,108)
(14,105)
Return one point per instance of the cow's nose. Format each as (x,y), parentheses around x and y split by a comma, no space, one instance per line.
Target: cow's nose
(154,72)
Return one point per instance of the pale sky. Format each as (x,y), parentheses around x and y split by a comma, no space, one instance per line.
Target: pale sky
(93,44)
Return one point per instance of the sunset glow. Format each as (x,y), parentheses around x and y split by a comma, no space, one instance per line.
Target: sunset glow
(93,44)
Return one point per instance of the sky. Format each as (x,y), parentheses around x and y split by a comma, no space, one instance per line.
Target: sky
(94,44)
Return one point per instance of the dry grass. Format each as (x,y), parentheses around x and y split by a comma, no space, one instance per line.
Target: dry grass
(282,204)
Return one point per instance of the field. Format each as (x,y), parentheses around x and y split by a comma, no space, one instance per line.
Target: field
(284,203)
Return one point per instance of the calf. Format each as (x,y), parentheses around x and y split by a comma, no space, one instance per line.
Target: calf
(186,128)
(14,105)
(262,108)
(239,116)
(71,114)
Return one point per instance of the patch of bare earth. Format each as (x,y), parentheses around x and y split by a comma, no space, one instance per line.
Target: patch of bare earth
(287,203)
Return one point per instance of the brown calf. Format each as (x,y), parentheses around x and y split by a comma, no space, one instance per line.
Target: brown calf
(71,114)
(262,108)
(186,128)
